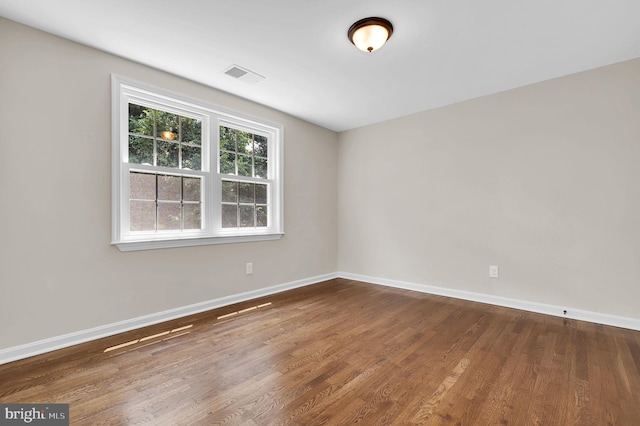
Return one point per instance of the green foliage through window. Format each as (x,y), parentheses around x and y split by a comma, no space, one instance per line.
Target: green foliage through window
(243,153)
(160,138)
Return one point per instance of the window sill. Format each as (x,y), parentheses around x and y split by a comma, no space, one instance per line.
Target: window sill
(188,242)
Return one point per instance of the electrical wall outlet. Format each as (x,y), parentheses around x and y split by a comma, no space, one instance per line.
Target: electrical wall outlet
(249,268)
(493,271)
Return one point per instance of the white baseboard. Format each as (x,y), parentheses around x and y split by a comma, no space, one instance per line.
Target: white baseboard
(559,311)
(59,342)
(47,345)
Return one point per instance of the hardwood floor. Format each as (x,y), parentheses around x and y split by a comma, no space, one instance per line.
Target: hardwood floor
(344,352)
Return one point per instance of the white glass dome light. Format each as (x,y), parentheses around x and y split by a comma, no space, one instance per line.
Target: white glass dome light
(370,34)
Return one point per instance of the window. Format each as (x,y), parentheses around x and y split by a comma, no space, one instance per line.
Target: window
(189,173)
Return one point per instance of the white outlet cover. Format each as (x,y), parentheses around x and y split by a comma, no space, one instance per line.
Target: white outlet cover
(493,271)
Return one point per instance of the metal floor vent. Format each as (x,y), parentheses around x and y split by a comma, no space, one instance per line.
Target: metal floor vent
(243,74)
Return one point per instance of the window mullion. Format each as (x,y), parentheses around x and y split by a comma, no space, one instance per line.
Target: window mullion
(156,200)
(155,140)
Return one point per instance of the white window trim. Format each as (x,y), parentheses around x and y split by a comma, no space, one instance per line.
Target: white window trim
(122,91)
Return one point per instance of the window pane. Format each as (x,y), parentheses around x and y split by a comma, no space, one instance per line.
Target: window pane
(229,216)
(142,186)
(244,165)
(169,188)
(261,216)
(142,216)
(261,194)
(168,216)
(247,216)
(192,216)
(227,139)
(191,130)
(246,193)
(227,163)
(140,120)
(140,150)
(260,167)
(167,154)
(245,142)
(166,125)
(191,189)
(260,146)
(229,191)
(191,157)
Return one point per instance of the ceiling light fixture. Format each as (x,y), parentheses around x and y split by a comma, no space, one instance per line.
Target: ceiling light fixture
(370,34)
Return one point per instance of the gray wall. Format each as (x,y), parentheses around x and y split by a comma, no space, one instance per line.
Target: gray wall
(58,273)
(543,181)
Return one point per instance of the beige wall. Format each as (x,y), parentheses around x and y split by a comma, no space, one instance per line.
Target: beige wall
(543,181)
(58,273)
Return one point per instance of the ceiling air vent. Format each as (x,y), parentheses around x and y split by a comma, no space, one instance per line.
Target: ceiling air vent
(243,74)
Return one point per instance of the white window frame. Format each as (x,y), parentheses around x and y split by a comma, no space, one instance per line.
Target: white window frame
(212,116)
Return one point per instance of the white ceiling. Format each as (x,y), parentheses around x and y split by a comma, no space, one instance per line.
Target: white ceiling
(441,51)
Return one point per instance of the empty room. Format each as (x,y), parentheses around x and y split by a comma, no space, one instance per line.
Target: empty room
(320,213)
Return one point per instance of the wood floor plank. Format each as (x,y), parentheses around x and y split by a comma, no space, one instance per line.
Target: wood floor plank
(344,352)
